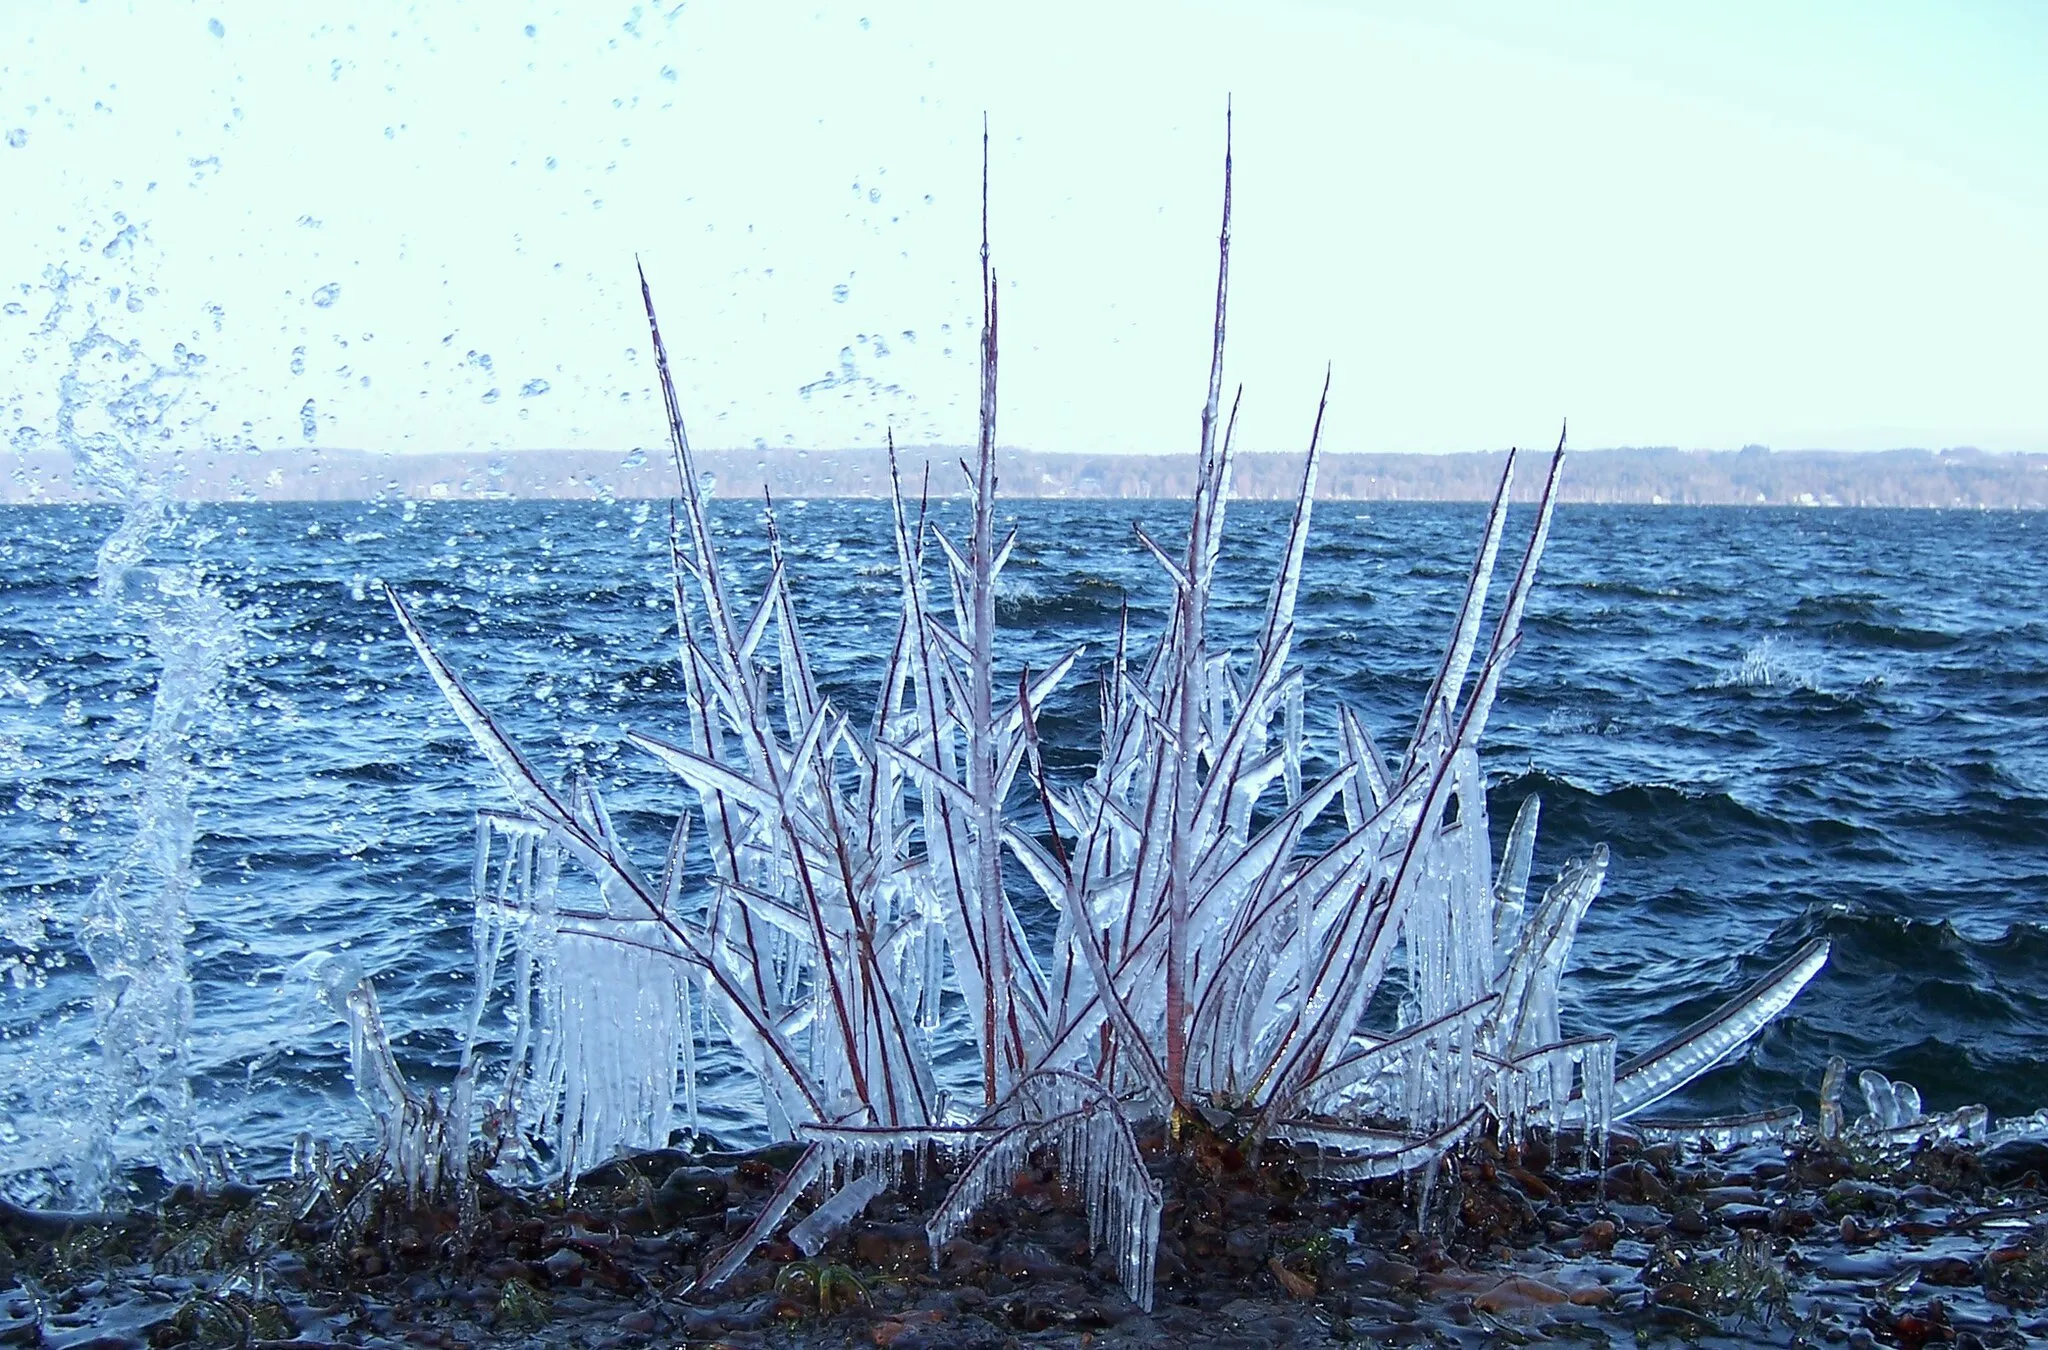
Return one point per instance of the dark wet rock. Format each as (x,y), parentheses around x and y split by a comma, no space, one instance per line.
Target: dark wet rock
(563,1264)
(1519,1293)
(1383,1271)
(690,1193)
(1951,1271)
(1639,1217)
(962,1258)
(1025,1261)
(2015,1162)
(1744,1216)
(1860,1197)
(898,1248)
(1508,1244)
(1247,1248)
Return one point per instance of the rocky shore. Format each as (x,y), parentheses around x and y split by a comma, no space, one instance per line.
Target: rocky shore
(1801,1243)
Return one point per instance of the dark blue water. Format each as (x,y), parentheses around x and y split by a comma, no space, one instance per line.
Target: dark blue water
(1783,723)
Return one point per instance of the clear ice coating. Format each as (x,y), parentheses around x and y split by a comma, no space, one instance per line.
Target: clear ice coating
(1206,959)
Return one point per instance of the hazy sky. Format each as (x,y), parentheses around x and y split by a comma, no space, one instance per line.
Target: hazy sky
(1803,225)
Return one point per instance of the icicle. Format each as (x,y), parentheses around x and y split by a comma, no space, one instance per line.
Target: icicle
(1512,886)
(817,1228)
(1880,1100)
(1831,1097)
(809,1166)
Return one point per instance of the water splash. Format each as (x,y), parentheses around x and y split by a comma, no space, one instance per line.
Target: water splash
(121,416)
(1766,664)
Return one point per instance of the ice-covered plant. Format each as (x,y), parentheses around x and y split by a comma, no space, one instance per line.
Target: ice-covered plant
(1208,960)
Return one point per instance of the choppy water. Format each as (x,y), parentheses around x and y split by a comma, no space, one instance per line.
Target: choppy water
(1783,723)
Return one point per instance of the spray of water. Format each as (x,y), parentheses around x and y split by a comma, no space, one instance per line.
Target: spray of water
(122,415)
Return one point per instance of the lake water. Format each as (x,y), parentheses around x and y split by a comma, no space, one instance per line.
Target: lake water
(1783,724)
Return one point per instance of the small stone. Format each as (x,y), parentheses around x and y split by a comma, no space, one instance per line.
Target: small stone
(1025,1260)
(1949,1270)
(1297,1286)
(2011,1162)
(691,1192)
(1382,1270)
(1519,1292)
(1740,1215)
(1599,1235)
(703,1323)
(563,1263)
(1866,1197)
(1247,1247)
(505,1268)
(895,1247)
(906,1331)
(963,1257)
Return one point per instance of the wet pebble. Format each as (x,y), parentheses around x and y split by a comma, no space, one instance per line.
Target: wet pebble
(1744,1216)
(896,1248)
(1853,1196)
(1519,1293)
(1692,1222)
(691,1192)
(1950,1271)
(1025,1260)
(2014,1161)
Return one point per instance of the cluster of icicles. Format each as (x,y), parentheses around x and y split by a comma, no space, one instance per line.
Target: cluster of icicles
(841,882)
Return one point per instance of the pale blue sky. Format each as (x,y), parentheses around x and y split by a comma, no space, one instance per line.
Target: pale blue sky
(1804,225)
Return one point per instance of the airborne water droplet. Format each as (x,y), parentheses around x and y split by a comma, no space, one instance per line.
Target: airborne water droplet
(840,292)
(327,295)
(309,422)
(216,27)
(533,389)
(298,360)
(17,137)
(490,396)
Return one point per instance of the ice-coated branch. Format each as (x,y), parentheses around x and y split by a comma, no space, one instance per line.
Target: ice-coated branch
(1657,1073)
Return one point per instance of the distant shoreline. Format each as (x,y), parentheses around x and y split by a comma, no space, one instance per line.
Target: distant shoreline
(1957,479)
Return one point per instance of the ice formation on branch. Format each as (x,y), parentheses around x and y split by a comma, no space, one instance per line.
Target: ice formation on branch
(1207,960)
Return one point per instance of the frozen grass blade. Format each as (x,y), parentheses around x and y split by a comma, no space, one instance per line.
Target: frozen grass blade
(1205,960)
(1656,1074)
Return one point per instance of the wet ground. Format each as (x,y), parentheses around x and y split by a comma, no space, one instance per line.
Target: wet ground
(1784,1244)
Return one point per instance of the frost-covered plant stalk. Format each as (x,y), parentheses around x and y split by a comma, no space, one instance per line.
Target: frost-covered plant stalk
(1207,960)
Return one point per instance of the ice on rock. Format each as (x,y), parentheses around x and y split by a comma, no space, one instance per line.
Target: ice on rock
(1718,1134)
